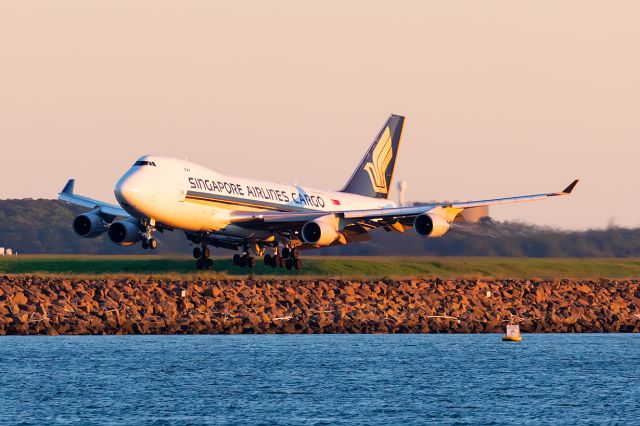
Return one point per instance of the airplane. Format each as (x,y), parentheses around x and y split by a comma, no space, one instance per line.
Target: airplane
(259,218)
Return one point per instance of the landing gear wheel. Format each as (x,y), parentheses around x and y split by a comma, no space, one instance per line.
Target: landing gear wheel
(153,243)
(294,253)
(297,263)
(206,252)
(289,263)
(204,264)
(280,261)
(267,259)
(286,252)
(197,253)
(237,260)
(145,244)
(250,261)
(274,261)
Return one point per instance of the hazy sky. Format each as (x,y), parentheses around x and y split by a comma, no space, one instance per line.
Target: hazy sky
(501,97)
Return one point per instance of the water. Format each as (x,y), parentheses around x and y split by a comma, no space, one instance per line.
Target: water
(320,379)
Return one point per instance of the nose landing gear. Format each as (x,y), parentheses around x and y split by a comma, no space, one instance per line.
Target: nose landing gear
(148,242)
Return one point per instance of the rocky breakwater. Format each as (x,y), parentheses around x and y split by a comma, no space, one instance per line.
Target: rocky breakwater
(34,305)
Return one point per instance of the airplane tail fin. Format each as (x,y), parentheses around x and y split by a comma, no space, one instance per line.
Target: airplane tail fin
(374,174)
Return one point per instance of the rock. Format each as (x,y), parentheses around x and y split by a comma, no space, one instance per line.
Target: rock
(20,299)
(37,305)
(212,292)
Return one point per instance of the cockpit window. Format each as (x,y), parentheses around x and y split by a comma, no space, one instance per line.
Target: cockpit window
(144,163)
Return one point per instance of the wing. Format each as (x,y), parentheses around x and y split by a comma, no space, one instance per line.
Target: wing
(107,209)
(379,217)
(453,207)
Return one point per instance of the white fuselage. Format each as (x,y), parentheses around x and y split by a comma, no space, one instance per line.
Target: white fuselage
(184,195)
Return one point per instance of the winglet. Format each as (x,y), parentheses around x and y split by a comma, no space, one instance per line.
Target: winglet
(68,188)
(569,188)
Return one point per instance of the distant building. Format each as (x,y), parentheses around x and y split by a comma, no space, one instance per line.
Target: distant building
(6,251)
(402,188)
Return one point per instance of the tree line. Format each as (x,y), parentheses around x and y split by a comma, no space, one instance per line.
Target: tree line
(44,226)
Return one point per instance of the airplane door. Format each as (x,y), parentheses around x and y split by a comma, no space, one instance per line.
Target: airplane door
(182,192)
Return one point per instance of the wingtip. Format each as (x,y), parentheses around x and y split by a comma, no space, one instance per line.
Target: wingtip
(68,188)
(569,188)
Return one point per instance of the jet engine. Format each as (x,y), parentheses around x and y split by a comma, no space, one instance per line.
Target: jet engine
(124,233)
(319,232)
(430,225)
(89,225)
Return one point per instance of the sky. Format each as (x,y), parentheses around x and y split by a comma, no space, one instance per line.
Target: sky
(502,98)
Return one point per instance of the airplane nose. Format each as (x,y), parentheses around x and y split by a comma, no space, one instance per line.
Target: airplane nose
(133,191)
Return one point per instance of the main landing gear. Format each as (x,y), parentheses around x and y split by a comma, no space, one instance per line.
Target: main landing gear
(202,255)
(244,260)
(274,260)
(292,258)
(288,259)
(285,258)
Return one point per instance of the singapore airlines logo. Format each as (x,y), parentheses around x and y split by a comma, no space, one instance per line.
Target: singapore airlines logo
(380,160)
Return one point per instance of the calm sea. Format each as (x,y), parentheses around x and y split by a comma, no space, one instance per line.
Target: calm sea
(321,379)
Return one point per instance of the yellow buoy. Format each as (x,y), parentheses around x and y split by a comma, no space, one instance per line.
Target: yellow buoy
(513,333)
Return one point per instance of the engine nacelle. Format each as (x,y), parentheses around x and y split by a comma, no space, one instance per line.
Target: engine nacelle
(319,232)
(124,233)
(431,225)
(89,225)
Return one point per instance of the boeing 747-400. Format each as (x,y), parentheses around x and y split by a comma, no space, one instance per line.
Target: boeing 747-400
(259,218)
